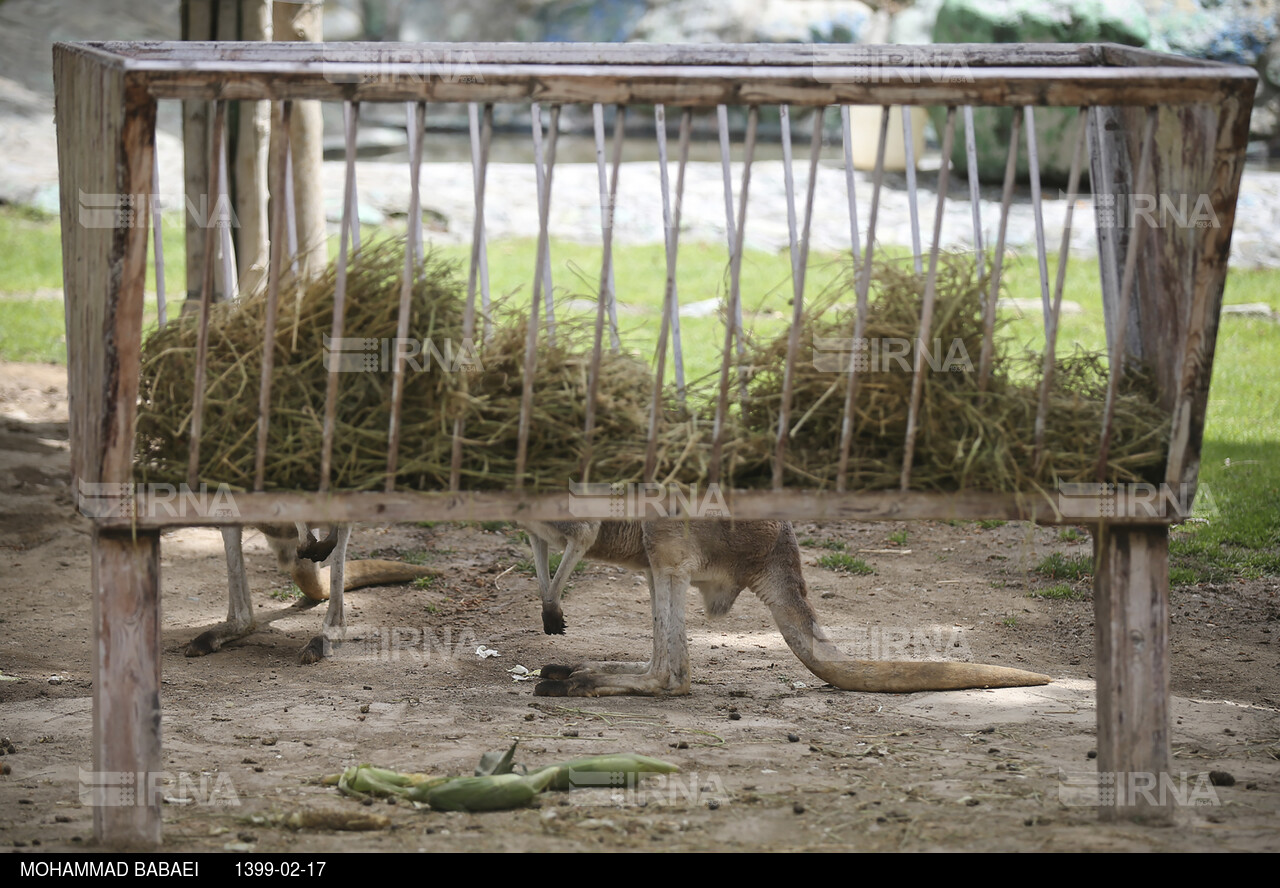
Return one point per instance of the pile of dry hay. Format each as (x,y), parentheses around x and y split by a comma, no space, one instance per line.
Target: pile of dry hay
(481,382)
(966,438)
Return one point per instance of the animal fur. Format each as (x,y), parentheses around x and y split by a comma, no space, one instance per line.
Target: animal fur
(291,546)
(720,558)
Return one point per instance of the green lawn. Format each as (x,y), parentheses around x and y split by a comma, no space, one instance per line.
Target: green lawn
(1240,474)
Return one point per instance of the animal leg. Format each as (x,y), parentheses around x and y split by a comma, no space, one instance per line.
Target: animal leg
(552,615)
(666,673)
(239,621)
(335,622)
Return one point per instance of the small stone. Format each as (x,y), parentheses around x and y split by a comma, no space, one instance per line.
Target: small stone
(793,738)
(1092,753)
(258,769)
(529,716)
(1221,778)
(798,808)
(364,707)
(246,837)
(735,716)
(268,741)
(972,802)
(61,818)
(713,805)
(569,733)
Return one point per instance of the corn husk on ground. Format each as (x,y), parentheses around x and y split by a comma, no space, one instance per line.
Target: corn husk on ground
(499,788)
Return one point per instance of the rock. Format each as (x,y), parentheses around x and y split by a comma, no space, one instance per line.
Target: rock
(590,21)
(914,25)
(1236,31)
(1032,21)
(342,22)
(753,21)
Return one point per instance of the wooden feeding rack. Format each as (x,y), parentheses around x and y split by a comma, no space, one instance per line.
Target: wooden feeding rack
(1146,123)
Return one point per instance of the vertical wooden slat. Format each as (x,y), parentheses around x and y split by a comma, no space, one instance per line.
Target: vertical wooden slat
(206,299)
(909,149)
(417,122)
(930,297)
(542,175)
(351,125)
(997,261)
(852,194)
(339,300)
(275,260)
(799,261)
(469,312)
(531,337)
(1218,138)
(975,189)
(1118,352)
(415,114)
(603,305)
(735,296)
(227,250)
(722,125)
(479,157)
(157,228)
(608,194)
(670,302)
(863,283)
(1033,164)
(1110,177)
(1051,331)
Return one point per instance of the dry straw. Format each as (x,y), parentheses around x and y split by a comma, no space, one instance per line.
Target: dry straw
(967,439)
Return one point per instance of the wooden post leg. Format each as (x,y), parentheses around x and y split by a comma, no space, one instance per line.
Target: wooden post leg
(1131,608)
(126,783)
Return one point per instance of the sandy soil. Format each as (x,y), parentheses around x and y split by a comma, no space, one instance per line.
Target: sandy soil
(770,757)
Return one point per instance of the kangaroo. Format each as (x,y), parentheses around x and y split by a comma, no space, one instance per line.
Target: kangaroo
(299,555)
(722,558)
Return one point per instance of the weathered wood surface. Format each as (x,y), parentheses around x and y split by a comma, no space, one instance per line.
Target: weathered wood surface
(702,86)
(211,506)
(971,54)
(691,75)
(106,131)
(1131,631)
(127,762)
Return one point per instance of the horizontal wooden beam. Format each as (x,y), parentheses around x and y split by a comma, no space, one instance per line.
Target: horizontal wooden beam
(972,54)
(212,507)
(1012,75)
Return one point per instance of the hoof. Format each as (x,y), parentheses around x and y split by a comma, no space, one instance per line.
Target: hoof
(555,673)
(551,689)
(203,644)
(553,623)
(316,650)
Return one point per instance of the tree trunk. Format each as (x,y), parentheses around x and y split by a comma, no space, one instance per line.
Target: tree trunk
(303,21)
(252,138)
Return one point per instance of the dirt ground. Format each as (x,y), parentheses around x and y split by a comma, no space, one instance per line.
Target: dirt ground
(770,758)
